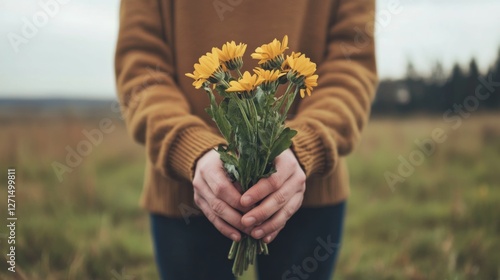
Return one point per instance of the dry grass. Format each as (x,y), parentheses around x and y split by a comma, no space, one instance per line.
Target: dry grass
(443,222)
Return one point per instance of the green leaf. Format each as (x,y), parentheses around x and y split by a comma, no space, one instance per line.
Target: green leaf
(209,112)
(269,170)
(231,170)
(219,117)
(265,137)
(221,90)
(233,112)
(260,101)
(283,142)
(230,162)
(223,125)
(226,156)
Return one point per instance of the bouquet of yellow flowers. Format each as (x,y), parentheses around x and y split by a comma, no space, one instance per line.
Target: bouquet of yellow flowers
(251,117)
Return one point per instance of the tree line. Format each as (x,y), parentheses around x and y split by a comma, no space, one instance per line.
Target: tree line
(439,91)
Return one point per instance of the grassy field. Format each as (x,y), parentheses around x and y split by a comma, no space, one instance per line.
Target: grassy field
(442,222)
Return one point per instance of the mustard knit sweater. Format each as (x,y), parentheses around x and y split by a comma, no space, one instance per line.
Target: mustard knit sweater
(160,40)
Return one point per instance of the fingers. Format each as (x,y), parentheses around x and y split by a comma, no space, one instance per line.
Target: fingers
(221,209)
(270,237)
(270,205)
(219,223)
(217,197)
(264,187)
(286,166)
(223,189)
(281,195)
(278,221)
(209,171)
(275,201)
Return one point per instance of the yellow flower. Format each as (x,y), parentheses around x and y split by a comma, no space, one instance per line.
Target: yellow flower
(271,55)
(285,66)
(268,75)
(247,83)
(208,69)
(309,83)
(231,54)
(198,82)
(301,73)
(269,78)
(301,65)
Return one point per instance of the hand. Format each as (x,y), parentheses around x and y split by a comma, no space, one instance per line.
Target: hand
(217,197)
(282,192)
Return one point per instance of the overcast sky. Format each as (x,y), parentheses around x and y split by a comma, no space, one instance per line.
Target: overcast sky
(72,54)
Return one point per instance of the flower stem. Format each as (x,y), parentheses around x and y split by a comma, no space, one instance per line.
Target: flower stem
(284,96)
(245,252)
(243,113)
(289,103)
(226,84)
(239,72)
(232,251)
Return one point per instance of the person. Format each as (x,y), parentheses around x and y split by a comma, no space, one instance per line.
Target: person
(196,211)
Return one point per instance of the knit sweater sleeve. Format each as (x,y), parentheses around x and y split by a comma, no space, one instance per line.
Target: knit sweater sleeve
(155,110)
(329,121)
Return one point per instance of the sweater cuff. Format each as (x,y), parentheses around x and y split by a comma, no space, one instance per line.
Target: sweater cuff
(310,151)
(190,145)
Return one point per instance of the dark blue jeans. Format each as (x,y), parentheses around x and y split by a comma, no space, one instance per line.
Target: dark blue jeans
(305,249)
